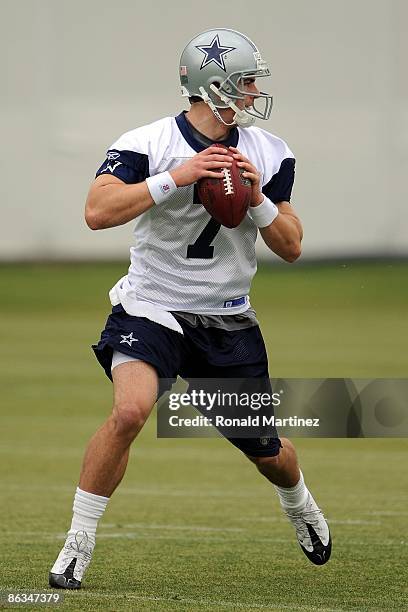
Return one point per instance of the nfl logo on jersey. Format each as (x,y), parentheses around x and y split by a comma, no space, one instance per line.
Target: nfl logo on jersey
(165,188)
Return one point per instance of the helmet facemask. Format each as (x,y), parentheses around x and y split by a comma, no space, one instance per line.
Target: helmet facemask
(231,88)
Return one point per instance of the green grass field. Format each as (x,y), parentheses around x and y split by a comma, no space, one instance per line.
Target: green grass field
(193,526)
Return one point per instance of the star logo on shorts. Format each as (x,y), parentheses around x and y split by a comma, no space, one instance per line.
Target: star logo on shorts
(214,52)
(128,339)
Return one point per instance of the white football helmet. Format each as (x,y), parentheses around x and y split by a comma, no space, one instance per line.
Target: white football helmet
(213,66)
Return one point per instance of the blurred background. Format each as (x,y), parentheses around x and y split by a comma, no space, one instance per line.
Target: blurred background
(76,75)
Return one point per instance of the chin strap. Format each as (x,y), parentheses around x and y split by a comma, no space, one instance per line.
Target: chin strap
(206,98)
(240,118)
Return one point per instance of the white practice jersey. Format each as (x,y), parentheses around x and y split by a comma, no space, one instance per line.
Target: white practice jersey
(182,259)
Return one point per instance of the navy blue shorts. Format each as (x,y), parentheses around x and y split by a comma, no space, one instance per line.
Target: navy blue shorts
(202,352)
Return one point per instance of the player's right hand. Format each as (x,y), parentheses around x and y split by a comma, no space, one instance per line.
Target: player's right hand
(205,164)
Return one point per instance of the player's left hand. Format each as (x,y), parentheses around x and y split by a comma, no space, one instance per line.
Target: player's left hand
(250,173)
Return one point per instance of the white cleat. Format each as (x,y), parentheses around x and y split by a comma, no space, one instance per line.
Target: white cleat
(312,532)
(72,562)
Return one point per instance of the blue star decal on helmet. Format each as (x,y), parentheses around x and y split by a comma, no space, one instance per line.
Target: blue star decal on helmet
(214,53)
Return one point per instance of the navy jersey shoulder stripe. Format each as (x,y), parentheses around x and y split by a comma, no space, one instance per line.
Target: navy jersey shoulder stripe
(128,166)
(279,188)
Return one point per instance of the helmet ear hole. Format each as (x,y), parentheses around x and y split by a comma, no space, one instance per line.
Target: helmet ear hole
(216,82)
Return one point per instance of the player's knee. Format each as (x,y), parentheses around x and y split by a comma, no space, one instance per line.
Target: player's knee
(128,420)
(265,464)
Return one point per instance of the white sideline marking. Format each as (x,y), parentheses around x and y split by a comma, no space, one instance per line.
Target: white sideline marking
(157,454)
(275,519)
(188,492)
(260,519)
(134,535)
(226,604)
(352,522)
(159,491)
(171,527)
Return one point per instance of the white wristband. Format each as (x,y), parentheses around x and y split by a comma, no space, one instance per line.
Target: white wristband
(161,186)
(263,214)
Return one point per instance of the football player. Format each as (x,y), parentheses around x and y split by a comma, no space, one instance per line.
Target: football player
(183,308)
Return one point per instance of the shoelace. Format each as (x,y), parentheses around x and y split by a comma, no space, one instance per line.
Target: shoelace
(78,548)
(80,543)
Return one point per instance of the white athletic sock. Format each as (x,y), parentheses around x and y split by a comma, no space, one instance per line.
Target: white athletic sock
(88,509)
(293,499)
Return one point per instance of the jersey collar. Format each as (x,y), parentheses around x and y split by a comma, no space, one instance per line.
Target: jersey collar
(188,135)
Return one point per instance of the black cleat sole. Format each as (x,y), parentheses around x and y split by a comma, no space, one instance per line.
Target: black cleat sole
(65,580)
(59,581)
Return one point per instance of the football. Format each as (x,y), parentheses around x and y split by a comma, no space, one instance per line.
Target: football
(227,199)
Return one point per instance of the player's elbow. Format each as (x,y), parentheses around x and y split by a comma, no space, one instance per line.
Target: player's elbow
(93,217)
(292,252)
(92,220)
